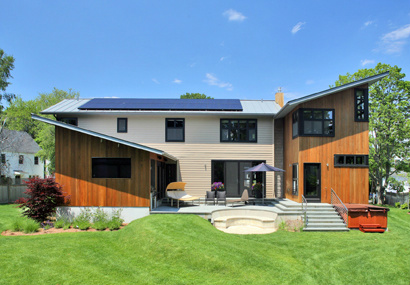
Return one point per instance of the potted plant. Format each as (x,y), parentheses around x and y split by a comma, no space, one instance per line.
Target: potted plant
(257,189)
(217,186)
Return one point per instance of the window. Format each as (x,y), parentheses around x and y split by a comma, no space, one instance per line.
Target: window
(122,125)
(36,160)
(350,160)
(175,130)
(21,159)
(3,158)
(295,175)
(361,105)
(313,122)
(71,121)
(111,167)
(17,179)
(238,130)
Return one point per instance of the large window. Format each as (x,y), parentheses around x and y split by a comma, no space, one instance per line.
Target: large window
(313,122)
(122,125)
(295,175)
(111,167)
(3,158)
(350,160)
(36,160)
(238,130)
(361,105)
(175,130)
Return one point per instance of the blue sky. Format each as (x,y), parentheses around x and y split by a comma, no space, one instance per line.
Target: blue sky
(225,49)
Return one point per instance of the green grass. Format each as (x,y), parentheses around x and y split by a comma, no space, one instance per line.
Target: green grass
(186,249)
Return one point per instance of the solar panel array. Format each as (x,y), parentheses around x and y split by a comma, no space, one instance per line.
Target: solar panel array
(162,104)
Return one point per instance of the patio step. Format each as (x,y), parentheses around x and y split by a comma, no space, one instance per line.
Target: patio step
(325,229)
(323,218)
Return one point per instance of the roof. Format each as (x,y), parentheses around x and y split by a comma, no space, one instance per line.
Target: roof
(289,106)
(102,136)
(249,107)
(17,142)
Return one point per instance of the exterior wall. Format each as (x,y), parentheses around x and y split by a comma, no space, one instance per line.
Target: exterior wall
(74,151)
(279,157)
(28,168)
(350,184)
(202,144)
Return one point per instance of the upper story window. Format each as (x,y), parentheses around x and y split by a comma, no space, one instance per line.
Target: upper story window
(361,105)
(313,123)
(21,159)
(72,121)
(109,167)
(175,130)
(122,125)
(238,130)
(3,158)
(350,160)
(36,160)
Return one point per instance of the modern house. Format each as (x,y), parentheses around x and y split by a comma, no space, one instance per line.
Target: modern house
(18,157)
(114,152)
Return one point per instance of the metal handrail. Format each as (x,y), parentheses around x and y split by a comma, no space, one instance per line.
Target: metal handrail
(304,210)
(339,206)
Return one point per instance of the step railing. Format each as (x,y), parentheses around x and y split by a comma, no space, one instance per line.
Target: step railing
(304,210)
(339,206)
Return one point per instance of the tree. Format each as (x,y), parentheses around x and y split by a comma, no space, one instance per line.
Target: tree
(195,96)
(6,66)
(389,123)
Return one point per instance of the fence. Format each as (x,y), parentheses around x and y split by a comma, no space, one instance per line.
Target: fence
(10,193)
(393,198)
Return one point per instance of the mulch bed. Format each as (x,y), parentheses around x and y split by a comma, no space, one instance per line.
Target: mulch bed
(42,231)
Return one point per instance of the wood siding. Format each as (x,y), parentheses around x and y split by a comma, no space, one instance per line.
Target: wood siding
(74,151)
(350,184)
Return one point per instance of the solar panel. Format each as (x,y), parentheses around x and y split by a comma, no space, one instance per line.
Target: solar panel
(163,104)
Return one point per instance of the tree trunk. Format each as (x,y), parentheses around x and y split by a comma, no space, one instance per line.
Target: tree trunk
(379,194)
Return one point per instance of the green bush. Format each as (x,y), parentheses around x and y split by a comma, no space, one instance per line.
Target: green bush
(66,226)
(82,221)
(81,224)
(114,224)
(405,206)
(61,222)
(17,225)
(397,204)
(30,226)
(100,225)
(99,216)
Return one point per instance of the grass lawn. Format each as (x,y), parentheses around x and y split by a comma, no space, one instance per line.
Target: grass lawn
(186,249)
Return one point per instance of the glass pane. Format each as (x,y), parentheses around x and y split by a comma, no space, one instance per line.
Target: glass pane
(122,125)
(232,179)
(218,171)
(340,160)
(225,124)
(170,123)
(295,129)
(252,124)
(307,115)
(225,135)
(317,115)
(359,160)
(252,135)
(234,135)
(307,128)
(242,124)
(359,93)
(175,134)
(317,128)
(312,180)
(179,123)
(328,115)
(295,171)
(242,135)
(328,128)
(349,159)
(234,124)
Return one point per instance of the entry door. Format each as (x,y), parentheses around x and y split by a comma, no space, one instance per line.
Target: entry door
(312,183)
(231,179)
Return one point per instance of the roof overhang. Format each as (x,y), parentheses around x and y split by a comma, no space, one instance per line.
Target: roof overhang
(292,104)
(102,136)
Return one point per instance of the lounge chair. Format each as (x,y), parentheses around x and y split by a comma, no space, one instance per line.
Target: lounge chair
(210,197)
(244,198)
(179,193)
(221,196)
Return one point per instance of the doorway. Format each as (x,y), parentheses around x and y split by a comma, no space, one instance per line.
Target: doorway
(312,182)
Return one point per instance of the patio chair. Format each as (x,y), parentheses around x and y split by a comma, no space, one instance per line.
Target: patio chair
(221,196)
(210,197)
(244,198)
(179,193)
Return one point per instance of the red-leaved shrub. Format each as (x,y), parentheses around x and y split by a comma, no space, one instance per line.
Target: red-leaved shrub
(21,200)
(45,195)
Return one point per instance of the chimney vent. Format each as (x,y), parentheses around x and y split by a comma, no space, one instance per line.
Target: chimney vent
(279,99)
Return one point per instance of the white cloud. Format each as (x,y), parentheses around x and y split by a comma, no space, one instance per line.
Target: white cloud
(177,81)
(297,27)
(367,61)
(212,80)
(368,23)
(310,81)
(233,15)
(222,58)
(394,41)
(155,80)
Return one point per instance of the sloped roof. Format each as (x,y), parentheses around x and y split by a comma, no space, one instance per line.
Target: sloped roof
(18,142)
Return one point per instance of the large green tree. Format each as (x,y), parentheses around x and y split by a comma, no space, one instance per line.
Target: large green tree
(6,66)
(389,123)
(195,96)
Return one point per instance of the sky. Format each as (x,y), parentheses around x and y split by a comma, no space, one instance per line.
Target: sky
(224,49)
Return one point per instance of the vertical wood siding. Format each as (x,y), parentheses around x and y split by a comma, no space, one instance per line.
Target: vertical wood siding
(74,151)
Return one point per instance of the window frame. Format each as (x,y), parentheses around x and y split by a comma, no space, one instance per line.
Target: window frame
(365,163)
(295,180)
(118,125)
(247,130)
(295,119)
(366,105)
(301,122)
(166,129)
(107,158)
(21,159)
(36,160)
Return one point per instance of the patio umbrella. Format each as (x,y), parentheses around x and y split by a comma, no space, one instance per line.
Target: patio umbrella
(263,167)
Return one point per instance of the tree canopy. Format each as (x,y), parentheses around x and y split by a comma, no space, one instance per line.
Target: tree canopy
(6,66)
(389,123)
(195,96)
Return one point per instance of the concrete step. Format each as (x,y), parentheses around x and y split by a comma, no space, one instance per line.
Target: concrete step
(321,213)
(333,220)
(330,225)
(325,229)
(323,216)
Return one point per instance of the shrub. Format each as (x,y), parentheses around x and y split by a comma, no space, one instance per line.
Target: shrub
(100,225)
(82,221)
(21,200)
(405,206)
(397,204)
(62,222)
(30,226)
(82,225)
(17,225)
(99,216)
(45,196)
(116,221)
(66,226)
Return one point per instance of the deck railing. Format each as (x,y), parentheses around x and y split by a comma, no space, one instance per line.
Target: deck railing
(304,210)
(339,206)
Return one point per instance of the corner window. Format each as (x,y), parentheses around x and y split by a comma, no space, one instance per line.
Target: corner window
(70,121)
(21,159)
(175,130)
(3,158)
(111,167)
(36,160)
(350,160)
(313,123)
(361,105)
(295,174)
(238,130)
(122,125)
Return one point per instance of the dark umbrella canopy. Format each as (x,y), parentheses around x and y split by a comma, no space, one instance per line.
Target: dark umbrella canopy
(263,168)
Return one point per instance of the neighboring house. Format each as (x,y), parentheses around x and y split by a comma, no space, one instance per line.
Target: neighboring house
(18,157)
(114,152)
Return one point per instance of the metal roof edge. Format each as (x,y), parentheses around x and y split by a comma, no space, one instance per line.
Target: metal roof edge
(289,105)
(102,136)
